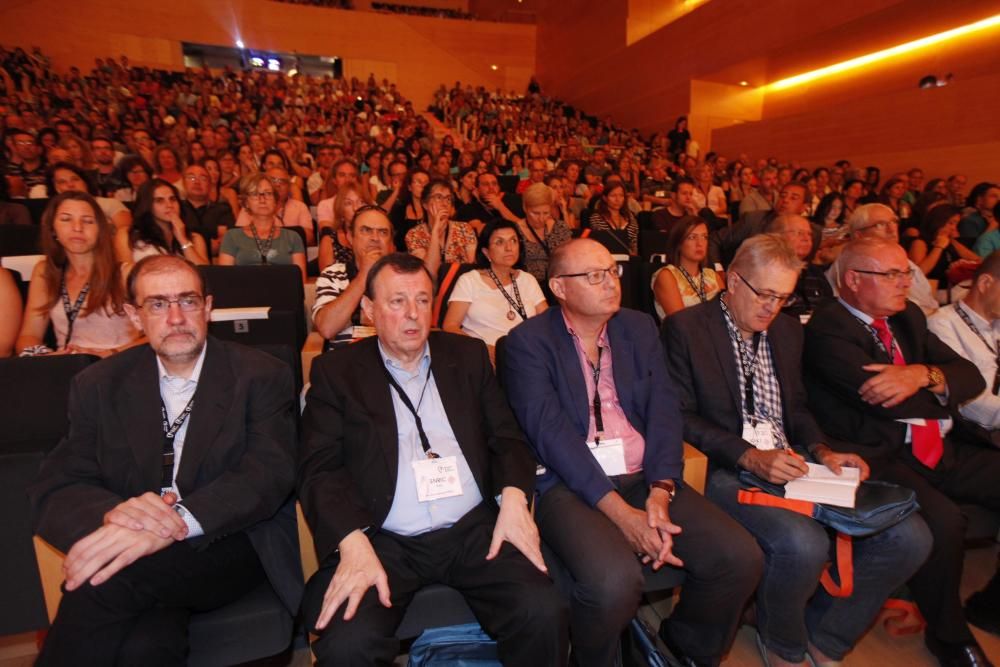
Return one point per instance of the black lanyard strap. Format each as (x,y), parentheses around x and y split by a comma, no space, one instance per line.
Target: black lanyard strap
(169,432)
(425,443)
(748,362)
(538,239)
(596,372)
(72,311)
(698,288)
(994,350)
(515,302)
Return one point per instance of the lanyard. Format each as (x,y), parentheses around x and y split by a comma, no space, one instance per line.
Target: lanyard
(598,417)
(169,431)
(515,303)
(748,366)
(891,350)
(542,242)
(996,352)
(263,248)
(699,289)
(72,311)
(424,441)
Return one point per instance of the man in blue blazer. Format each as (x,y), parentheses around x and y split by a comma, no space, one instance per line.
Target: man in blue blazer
(589,386)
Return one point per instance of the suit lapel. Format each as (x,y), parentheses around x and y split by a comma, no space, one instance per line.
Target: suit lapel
(212,403)
(621,359)
(455,398)
(573,378)
(376,395)
(722,343)
(138,406)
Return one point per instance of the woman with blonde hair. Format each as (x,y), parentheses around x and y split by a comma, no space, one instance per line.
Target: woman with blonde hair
(79,287)
(333,245)
(541,232)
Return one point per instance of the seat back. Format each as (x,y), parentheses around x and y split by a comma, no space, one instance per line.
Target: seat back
(36,207)
(19,240)
(448,275)
(277,287)
(23,608)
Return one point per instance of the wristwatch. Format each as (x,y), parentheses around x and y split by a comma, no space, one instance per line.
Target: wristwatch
(667,485)
(934,376)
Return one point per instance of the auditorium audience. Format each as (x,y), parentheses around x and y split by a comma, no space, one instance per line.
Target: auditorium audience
(264,240)
(79,287)
(686,280)
(884,386)
(488,302)
(158,229)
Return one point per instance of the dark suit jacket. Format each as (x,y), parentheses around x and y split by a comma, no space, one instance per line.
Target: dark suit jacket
(236,471)
(547,390)
(838,345)
(700,357)
(349,459)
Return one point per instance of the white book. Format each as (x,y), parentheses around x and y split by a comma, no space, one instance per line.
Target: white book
(245,313)
(822,485)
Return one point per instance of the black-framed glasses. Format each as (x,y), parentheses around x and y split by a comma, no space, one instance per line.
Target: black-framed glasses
(888,276)
(189,303)
(597,276)
(765,297)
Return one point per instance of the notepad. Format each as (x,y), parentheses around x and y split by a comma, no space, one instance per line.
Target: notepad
(822,485)
(246,313)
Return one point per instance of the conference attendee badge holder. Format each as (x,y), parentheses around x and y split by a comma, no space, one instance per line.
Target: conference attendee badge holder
(759,434)
(610,455)
(437,477)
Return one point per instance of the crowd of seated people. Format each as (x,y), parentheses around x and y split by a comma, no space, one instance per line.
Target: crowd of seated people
(335,176)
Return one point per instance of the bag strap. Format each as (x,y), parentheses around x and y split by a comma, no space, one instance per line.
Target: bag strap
(902,617)
(449,278)
(845,561)
(585,233)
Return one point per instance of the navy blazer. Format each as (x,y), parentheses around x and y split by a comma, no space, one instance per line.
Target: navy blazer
(546,387)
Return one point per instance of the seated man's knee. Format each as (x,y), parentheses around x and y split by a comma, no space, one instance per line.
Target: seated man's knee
(805,545)
(343,643)
(617,591)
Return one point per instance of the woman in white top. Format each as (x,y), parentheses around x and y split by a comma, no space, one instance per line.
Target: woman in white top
(158,228)
(685,281)
(489,302)
(78,287)
(707,194)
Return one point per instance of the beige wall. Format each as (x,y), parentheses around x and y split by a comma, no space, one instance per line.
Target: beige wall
(694,64)
(424,52)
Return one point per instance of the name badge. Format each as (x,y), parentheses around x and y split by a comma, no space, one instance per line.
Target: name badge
(437,478)
(610,455)
(759,435)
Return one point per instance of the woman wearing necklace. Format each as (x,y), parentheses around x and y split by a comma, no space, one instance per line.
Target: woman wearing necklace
(542,233)
(158,228)
(263,241)
(488,303)
(685,281)
(612,215)
(78,287)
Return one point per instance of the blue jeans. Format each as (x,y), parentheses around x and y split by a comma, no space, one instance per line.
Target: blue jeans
(792,609)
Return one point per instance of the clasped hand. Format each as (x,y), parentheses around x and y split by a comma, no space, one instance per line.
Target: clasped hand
(892,383)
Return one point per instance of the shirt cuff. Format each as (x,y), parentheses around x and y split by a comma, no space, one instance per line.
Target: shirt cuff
(194,527)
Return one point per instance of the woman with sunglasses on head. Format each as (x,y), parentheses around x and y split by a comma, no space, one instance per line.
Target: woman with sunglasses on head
(264,240)
(685,281)
(488,303)
(79,287)
(158,229)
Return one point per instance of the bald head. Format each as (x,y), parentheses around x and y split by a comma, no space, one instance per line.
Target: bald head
(874,276)
(876,221)
(572,254)
(584,278)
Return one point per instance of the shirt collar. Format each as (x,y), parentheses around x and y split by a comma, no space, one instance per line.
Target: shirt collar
(396,367)
(195,372)
(602,338)
(981,322)
(864,317)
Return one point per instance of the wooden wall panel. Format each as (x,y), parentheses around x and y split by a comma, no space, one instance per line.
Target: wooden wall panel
(425,51)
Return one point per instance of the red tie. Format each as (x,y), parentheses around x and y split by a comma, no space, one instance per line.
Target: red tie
(925,440)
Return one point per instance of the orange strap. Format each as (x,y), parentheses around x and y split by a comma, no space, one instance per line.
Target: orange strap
(449,278)
(902,617)
(585,233)
(845,561)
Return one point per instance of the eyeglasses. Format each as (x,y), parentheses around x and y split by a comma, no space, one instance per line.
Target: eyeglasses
(189,303)
(444,199)
(765,298)
(261,195)
(279,181)
(596,277)
(196,179)
(888,276)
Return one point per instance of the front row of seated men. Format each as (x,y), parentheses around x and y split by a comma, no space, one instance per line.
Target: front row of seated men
(414,469)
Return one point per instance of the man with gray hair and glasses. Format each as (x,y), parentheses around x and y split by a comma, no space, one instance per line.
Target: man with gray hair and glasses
(878,221)
(877,377)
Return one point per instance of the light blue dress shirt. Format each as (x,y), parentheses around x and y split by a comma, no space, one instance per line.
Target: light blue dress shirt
(407,515)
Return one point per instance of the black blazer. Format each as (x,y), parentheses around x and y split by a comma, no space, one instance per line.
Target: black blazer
(700,358)
(838,345)
(236,472)
(349,459)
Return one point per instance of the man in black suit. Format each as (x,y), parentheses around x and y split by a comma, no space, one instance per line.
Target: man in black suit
(169,491)
(878,377)
(408,446)
(736,363)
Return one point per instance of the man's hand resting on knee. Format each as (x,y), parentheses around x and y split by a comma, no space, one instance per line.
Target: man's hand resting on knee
(149,512)
(359,570)
(102,554)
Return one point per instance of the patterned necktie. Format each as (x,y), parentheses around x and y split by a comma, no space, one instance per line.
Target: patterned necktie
(925,440)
